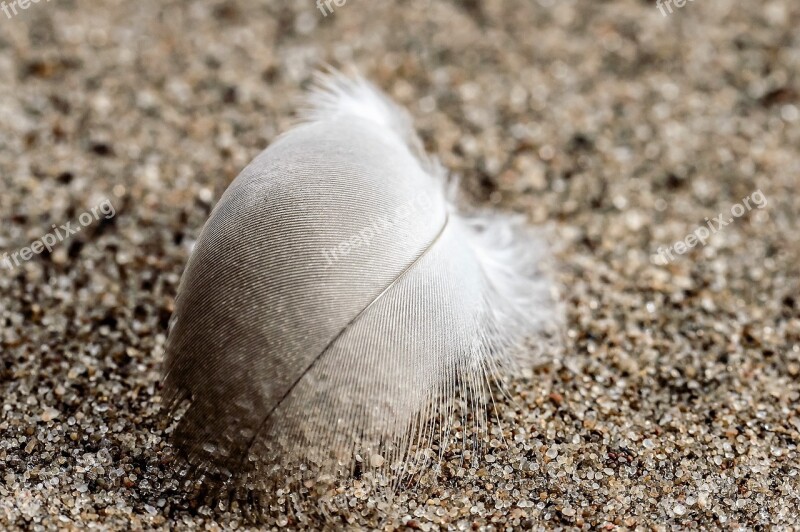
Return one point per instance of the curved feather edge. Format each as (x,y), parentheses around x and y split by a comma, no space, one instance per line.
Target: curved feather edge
(333,95)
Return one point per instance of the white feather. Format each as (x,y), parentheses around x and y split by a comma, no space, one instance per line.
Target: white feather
(290,359)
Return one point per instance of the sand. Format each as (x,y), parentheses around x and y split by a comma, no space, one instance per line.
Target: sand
(618,130)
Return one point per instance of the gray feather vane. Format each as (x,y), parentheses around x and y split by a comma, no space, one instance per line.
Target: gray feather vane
(336,301)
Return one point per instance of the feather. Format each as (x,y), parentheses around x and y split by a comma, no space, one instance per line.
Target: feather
(337,301)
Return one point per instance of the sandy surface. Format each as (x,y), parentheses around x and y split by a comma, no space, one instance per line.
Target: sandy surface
(676,402)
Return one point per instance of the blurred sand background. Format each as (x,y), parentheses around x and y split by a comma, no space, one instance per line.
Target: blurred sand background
(614,127)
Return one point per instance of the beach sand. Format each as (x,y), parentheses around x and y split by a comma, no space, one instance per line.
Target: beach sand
(618,130)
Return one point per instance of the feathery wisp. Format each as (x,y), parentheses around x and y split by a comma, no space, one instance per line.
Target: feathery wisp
(337,301)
